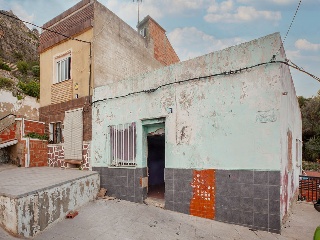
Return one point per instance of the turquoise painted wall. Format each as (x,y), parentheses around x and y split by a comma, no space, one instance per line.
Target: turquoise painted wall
(222,122)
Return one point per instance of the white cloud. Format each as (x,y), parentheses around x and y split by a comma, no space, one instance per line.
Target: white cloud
(226,12)
(190,42)
(20,12)
(303,44)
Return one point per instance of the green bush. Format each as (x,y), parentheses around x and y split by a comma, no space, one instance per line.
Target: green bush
(6,83)
(37,136)
(32,88)
(4,66)
(36,70)
(310,166)
(23,67)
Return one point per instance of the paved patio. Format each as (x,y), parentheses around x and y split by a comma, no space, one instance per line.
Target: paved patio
(117,219)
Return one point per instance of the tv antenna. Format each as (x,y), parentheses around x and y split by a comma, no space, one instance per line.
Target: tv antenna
(138,1)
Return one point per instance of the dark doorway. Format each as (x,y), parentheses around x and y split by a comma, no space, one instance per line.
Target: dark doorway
(156,165)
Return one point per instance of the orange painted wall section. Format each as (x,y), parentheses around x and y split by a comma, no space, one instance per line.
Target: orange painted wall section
(203,201)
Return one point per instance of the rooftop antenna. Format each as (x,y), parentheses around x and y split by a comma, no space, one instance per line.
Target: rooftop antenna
(138,1)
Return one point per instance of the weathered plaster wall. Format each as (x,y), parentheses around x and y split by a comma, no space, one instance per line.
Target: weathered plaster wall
(222,122)
(291,157)
(27,215)
(27,107)
(118,50)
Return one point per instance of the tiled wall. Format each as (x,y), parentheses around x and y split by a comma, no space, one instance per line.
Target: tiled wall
(178,190)
(244,197)
(250,198)
(123,183)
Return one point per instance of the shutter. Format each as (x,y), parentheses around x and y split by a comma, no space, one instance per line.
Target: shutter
(73,135)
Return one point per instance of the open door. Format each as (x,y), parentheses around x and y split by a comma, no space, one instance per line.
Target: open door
(156,165)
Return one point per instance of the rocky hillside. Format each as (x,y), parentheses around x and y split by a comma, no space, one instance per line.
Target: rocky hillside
(19,58)
(17,41)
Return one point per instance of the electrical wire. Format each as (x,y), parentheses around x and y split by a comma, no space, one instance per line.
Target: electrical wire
(46,29)
(226,73)
(294,16)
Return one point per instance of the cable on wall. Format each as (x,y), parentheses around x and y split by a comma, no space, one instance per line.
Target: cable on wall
(226,73)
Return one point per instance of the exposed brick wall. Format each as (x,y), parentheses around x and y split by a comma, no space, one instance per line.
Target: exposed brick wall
(71,22)
(61,92)
(33,126)
(38,153)
(56,113)
(8,133)
(163,51)
(38,148)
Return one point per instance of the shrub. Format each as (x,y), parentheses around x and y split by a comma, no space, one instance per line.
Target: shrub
(32,88)
(36,70)
(6,83)
(4,66)
(37,136)
(23,67)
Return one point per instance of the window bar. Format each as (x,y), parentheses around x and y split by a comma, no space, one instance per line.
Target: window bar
(128,140)
(133,144)
(116,152)
(122,143)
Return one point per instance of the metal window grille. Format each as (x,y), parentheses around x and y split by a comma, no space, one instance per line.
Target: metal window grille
(123,145)
(55,132)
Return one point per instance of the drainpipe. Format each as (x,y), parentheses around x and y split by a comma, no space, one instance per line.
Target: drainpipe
(90,70)
(27,154)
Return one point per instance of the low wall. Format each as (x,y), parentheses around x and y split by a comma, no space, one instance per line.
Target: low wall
(31,213)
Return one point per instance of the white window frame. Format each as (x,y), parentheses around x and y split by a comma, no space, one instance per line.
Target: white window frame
(62,67)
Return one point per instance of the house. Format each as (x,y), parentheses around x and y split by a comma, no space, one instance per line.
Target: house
(218,136)
(82,48)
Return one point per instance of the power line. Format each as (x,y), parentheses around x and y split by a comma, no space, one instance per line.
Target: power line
(294,16)
(285,37)
(46,29)
(226,73)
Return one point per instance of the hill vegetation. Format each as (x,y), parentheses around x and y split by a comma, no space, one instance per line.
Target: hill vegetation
(19,58)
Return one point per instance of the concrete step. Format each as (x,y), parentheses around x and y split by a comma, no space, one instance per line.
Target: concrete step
(8,143)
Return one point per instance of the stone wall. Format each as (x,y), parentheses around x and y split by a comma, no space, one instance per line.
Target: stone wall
(55,154)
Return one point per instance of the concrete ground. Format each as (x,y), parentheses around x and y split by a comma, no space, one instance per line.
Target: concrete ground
(117,219)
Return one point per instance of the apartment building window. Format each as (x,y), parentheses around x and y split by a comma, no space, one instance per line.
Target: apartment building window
(123,145)
(55,133)
(63,68)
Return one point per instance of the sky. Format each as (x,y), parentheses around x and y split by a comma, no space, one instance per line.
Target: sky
(197,27)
